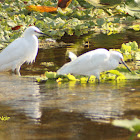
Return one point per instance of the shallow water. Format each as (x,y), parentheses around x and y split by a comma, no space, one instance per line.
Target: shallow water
(68,110)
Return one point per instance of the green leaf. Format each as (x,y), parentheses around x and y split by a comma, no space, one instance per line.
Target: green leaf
(51,75)
(11,23)
(134,46)
(132,125)
(100,21)
(41,79)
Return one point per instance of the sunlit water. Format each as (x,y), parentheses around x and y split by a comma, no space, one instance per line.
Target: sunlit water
(67,110)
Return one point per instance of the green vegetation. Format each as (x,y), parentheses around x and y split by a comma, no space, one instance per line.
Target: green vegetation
(80,18)
(105,76)
(130,52)
(132,125)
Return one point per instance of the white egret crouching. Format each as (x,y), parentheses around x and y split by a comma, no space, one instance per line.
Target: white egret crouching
(93,62)
(21,50)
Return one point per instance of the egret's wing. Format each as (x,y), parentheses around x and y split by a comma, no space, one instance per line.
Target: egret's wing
(13,51)
(89,61)
(72,56)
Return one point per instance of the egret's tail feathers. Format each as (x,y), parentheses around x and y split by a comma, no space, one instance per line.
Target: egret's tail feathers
(72,56)
(61,71)
(64,70)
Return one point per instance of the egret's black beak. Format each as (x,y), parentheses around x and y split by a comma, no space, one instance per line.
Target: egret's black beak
(42,33)
(125,65)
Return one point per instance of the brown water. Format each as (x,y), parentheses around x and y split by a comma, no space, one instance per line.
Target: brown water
(66,111)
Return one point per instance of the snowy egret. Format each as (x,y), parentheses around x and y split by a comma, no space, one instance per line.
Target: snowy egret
(93,62)
(21,50)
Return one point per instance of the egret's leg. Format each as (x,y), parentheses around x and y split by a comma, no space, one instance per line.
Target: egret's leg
(98,76)
(88,79)
(18,71)
(13,70)
(98,81)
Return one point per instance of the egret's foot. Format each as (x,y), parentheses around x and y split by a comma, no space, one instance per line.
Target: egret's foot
(18,71)
(88,79)
(15,72)
(98,81)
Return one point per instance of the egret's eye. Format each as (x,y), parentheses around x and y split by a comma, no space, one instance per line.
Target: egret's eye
(121,59)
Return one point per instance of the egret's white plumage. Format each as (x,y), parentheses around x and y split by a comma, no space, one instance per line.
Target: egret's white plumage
(93,62)
(72,56)
(21,50)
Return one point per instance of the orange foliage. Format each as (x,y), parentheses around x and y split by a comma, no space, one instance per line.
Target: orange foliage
(41,8)
(16,27)
(61,3)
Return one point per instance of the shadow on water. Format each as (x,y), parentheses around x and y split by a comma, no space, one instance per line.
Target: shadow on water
(68,110)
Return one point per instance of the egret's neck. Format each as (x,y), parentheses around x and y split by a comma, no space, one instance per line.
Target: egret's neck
(31,38)
(112,63)
(32,46)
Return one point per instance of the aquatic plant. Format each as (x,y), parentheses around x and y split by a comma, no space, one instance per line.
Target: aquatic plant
(130,52)
(105,76)
(131,125)
(79,19)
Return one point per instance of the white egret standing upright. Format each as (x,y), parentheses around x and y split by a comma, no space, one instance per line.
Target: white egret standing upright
(93,62)
(21,50)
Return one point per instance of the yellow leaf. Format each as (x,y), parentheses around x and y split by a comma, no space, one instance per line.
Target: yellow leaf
(125,48)
(41,8)
(138,135)
(116,72)
(71,77)
(110,33)
(83,80)
(136,27)
(122,77)
(111,77)
(59,80)
(92,79)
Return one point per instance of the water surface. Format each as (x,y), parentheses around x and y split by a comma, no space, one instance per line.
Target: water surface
(66,111)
